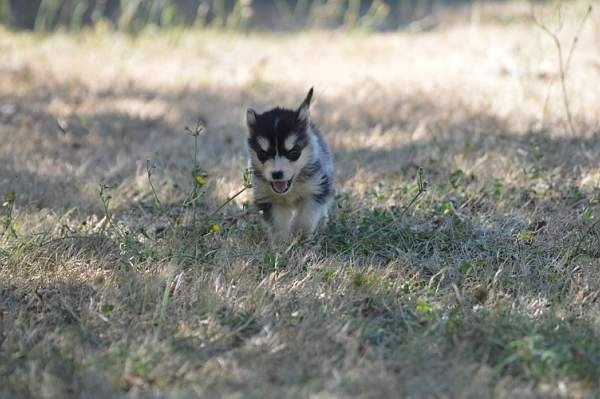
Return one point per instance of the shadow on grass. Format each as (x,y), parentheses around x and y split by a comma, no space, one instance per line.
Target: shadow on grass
(54,156)
(511,342)
(71,339)
(58,162)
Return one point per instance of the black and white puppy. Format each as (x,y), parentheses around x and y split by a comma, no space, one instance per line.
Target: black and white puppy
(292,170)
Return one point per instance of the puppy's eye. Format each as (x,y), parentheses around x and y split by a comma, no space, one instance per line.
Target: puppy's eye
(294,153)
(262,154)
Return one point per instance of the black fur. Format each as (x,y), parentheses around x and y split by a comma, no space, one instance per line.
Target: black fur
(309,170)
(325,190)
(276,126)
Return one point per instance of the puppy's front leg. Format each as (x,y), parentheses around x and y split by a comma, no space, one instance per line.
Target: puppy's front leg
(279,219)
(309,214)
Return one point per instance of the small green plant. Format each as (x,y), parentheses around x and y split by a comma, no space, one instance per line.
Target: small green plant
(456,178)
(424,309)
(271,262)
(526,235)
(360,279)
(105,199)
(9,206)
(588,214)
(106,309)
(497,187)
(329,274)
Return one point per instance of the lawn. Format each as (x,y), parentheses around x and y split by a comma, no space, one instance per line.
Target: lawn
(462,254)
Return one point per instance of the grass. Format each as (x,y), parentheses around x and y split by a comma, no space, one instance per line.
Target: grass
(122,276)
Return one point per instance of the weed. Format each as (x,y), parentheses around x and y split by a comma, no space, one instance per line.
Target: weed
(198,181)
(564,64)
(105,199)
(149,169)
(7,219)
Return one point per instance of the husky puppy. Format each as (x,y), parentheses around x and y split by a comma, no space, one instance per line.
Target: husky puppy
(292,170)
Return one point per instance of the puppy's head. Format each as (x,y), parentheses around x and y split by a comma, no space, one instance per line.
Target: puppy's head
(279,144)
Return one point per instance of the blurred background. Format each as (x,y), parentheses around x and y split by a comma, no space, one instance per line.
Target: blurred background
(133,15)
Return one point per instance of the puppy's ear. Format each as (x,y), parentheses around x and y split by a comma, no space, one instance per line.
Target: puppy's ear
(251,119)
(304,110)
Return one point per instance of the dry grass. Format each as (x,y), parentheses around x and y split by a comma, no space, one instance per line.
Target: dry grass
(488,287)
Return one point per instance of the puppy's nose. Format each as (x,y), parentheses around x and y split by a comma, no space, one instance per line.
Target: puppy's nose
(278,175)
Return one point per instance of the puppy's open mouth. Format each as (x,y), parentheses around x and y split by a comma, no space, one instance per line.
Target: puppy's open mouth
(281,186)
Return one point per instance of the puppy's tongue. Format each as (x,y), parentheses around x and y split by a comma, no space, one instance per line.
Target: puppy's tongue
(280,186)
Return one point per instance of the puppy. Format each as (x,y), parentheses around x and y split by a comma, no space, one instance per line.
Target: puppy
(292,170)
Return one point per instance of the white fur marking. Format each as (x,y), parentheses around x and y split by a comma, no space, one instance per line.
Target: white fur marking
(290,142)
(263,143)
(303,113)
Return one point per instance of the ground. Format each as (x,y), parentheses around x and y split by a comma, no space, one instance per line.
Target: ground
(122,276)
